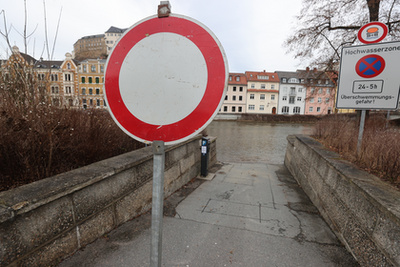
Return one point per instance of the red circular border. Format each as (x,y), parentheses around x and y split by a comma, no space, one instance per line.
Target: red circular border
(385,32)
(368,56)
(209,103)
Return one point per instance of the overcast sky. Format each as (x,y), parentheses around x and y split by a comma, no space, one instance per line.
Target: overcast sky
(252,32)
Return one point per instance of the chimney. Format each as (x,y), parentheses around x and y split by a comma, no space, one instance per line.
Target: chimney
(308,69)
(315,70)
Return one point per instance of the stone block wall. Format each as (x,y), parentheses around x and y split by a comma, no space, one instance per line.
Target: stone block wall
(43,222)
(363,211)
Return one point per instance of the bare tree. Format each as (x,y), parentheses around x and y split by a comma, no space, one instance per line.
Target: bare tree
(325,26)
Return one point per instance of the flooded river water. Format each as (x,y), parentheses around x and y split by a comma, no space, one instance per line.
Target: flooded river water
(253,141)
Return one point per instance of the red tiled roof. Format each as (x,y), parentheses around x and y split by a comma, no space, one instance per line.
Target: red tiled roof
(258,76)
(242,81)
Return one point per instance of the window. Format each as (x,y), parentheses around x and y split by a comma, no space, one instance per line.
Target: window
(237,78)
(285,110)
(91,102)
(54,77)
(230,78)
(226,97)
(291,99)
(90,91)
(69,66)
(299,98)
(41,77)
(252,107)
(284,98)
(312,90)
(272,86)
(300,90)
(84,68)
(67,77)
(320,91)
(97,91)
(310,109)
(84,103)
(234,98)
(83,79)
(240,98)
(240,109)
(261,107)
(225,108)
(312,100)
(98,102)
(272,97)
(328,91)
(293,80)
(284,80)
(262,96)
(97,79)
(68,90)
(263,77)
(234,89)
(92,68)
(241,89)
(319,100)
(90,79)
(83,91)
(262,86)
(253,86)
(251,96)
(233,109)
(101,68)
(296,110)
(318,109)
(54,89)
(292,90)
(327,100)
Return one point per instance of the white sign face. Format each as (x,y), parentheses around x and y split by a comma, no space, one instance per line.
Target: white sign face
(369,77)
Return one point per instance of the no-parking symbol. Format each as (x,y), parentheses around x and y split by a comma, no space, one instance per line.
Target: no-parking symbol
(370,66)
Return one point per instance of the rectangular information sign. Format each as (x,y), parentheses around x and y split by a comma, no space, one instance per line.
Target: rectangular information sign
(369,77)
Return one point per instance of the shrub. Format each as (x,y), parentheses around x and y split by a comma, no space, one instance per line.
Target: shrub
(380,150)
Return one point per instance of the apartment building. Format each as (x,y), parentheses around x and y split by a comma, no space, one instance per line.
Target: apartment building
(262,92)
(292,93)
(111,36)
(235,99)
(320,92)
(57,77)
(91,83)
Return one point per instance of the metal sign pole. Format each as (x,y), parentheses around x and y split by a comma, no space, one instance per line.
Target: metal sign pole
(157,203)
(361,131)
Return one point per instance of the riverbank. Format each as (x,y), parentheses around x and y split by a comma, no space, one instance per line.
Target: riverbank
(269,118)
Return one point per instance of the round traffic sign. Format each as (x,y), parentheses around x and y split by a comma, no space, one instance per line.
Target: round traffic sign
(370,66)
(166,79)
(372,32)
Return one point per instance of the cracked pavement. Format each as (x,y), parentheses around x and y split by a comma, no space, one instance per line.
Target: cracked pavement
(249,214)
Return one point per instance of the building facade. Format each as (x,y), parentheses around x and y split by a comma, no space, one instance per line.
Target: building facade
(320,92)
(292,93)
(111,36)
(262,92)
(91,83)
(92,46)
(235,99)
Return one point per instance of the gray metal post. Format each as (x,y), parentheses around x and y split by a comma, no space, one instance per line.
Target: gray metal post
(361,131)
(157,203)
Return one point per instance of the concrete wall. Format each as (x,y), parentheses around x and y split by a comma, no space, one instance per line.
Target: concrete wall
(363,211)
(43,222)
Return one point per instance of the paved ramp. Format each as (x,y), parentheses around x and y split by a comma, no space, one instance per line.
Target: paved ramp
(247,215)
